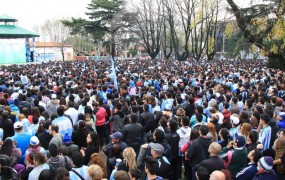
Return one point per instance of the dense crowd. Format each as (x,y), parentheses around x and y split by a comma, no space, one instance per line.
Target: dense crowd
(217,120)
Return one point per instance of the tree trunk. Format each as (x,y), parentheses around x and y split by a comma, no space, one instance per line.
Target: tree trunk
(276,61)
(113,46)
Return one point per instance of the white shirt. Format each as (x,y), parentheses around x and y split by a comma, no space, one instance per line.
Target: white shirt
(35,173)
(184,134)
(73,113)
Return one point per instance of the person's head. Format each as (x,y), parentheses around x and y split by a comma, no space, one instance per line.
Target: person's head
(7,147)
(21,117)
(224,134)
(234,119)
(264,119)
(116,137)
(157,149)
(173,125)
(95,172)
(184,121)
(199,117)
(134,174)
(245,129)
(281,133)
(212,130)
(39,159)
(151,165)
(214,148)
(265,163)
(203,130)
(121,175)
(254,155)
(158,135)
(53,129)
(60,111)
(130,156)
(34,142)
(87,117)
(53,150)
(202,173)
(239,141)
(18,126)
(252,137)
(61,173)
(217,175)
(46,174)
(77,159)
(92,139)
(194,134)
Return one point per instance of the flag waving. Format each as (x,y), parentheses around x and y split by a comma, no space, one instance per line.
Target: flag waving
(113,74)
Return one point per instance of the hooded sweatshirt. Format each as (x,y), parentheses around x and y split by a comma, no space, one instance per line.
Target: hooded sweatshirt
(198,151)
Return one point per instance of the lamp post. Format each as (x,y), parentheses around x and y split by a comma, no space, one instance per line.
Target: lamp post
(45,47)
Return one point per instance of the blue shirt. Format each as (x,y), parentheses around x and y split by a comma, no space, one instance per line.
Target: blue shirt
(193,120)
(233,131)
(23,142)
(264,137)
(64,125)
(82,171)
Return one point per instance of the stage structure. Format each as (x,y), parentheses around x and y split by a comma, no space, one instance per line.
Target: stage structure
(14,42)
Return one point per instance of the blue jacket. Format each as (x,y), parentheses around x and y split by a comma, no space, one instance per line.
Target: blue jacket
(247,173)
(266,175)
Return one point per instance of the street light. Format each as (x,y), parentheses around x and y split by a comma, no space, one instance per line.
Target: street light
(45,47)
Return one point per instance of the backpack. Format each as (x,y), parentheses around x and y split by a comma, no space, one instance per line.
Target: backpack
(229,159)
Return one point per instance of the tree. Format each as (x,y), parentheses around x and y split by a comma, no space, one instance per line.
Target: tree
(263,24)
(106,18)
(55,31)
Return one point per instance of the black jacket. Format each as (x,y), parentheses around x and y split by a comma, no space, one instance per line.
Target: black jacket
(146,117)
(198,151)
(133,134)
(45,138)
(118,119)
(213,163)
(173,139)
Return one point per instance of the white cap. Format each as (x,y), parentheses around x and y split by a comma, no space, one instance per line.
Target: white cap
(18,125)
(53,96)
(235,120)
(34,141)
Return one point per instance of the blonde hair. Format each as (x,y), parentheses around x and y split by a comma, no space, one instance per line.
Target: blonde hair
(245,129)
(97,159)
(95,172)
(280,150)
(21,116)
(130,156)
(180,112)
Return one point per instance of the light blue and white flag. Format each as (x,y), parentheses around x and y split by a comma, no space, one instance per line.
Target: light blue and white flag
(113,74)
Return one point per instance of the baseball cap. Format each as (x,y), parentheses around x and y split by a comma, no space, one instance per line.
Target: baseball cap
(266,163)
(235,120)
(158,148)
(117,135)
(34,141)
(18,125)
(240,140)
(53,96)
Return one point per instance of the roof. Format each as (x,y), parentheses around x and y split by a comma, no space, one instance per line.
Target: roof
(6,18)
(12,31)
(50,44)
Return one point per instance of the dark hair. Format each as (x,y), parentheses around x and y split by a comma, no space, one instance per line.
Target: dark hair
(202,173)
(94,139)
(185,120)
(148,137)
(173,126)
(136,173)
(77,158)
(257,155)
(35,120)
(134,118)
(53,150)
(151,164)
(46,174)
(121,175)
(40,158)
(204,130)
(159,135)
(225,134)
(194,134)
(54,127)
(199,117)
(7,147)
(256,115)
(60,173)
(60,111)
(253,136)
(265,117)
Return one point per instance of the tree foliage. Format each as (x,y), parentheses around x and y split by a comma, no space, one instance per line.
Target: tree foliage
(263,25)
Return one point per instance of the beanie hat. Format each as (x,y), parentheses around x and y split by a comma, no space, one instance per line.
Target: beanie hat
(67,139)
(266,163)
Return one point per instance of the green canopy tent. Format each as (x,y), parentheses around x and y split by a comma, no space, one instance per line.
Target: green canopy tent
(11,51)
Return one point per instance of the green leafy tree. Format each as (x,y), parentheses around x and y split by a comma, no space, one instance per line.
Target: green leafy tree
(106,19)
(263,24)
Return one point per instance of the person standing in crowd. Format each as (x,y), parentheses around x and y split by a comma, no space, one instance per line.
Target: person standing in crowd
(79,171)
(264,131)
(93,146)
(56,137)
(101,116)
(118,118)
(64,123)
(238,158)
(72,112)
(265,169)
(198,151)
(40,162)
(133,133)
(151,168)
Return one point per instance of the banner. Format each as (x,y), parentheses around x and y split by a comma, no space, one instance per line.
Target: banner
(114,76)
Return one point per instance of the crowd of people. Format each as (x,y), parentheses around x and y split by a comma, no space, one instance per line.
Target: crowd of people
(163,119)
